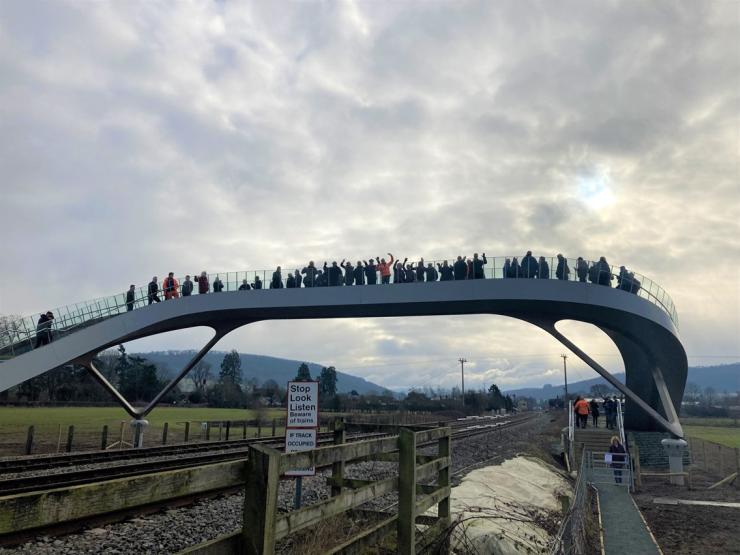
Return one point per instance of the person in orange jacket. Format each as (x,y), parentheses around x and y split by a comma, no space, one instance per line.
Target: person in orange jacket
(385,268)
(582,409)
(170,287)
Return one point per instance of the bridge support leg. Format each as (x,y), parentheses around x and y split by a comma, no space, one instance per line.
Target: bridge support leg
(670,424)
(675,449)
(138,414)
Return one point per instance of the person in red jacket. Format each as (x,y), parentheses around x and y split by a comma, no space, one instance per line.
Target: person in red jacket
(581,407)
(170,287)
(385,268)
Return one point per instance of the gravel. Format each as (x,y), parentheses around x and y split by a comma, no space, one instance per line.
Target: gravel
(172,530)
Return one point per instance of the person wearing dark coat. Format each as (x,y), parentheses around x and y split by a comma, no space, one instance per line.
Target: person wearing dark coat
(446,272)
(333,274)
(618,452)
(371,272)
(460,268)
(594,412)
(187,287)
(603,272)
(257,282)
(359,274)
(218,285)
(543,272)
(529,266)
(478,263)
(431,273)
(398,273)
(297,278)
(610,410)
(43,329)
(581,269)
(515,271)
(562,271)
(322,279)
(202,281)
(410,272)
(349,272)
(152,291)
(277,279)
(506,271)
(245,285)
(130,298)
(420,270)
(309,273)
(290,282)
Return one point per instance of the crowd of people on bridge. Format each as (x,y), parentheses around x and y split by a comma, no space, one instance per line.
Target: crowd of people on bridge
(583,408)
(391,270)
(372,271)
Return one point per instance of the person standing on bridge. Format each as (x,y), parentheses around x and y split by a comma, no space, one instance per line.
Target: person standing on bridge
(460,268)
(618,454)
(333,274)
(349,272)
(431,272)
(43,329)
(581,408)
(170,287)
(562,271)
(478,263)
(245,285)
(371,272)
(398,273)
(529,266)
(277,279)
(581,269)
(309,272)
(187,287)
(257,285)
(202,281)
(290,282)
(445,272)
(153,290)
(218,285)
(409,273)
(543,272)
(515,270)
(385,269)
(130,298)
(359,273)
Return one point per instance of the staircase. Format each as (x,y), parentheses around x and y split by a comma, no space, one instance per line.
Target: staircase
(596,440)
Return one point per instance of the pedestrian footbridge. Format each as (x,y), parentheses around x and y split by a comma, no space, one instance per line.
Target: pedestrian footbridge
(642,324)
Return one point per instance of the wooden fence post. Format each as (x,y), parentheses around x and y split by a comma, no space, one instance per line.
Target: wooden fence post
(737,460)
(443,480)
(228,429)
(104,438)
(259,427)
(406,531)
(164,433)
(273,427)
(337,468)
(704,455)
(260,500)
(70,438)
(719,455)
(187,431)
(29,440)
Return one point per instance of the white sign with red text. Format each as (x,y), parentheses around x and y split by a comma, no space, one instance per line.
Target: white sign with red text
(300,439)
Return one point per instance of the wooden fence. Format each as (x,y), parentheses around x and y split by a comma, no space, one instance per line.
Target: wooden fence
(263,526)
(714,458)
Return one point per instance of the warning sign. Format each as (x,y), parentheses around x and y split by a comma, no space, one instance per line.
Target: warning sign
(300,440)
(303,404)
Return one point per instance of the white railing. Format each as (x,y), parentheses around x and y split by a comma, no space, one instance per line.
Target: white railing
(620,422)
(571,433)
(609,468)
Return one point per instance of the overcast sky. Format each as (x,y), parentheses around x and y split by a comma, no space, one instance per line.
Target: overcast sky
(141,138)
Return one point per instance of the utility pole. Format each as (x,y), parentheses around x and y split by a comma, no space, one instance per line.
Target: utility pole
(565,372)
(462,362)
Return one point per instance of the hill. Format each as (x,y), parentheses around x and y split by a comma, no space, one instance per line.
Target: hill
(261,368)
(725,377)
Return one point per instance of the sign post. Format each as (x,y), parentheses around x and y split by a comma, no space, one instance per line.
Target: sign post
(301,427)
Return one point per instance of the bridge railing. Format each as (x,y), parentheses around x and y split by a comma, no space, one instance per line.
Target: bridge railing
(18,335)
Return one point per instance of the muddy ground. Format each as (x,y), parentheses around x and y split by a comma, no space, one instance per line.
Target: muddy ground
(684,529)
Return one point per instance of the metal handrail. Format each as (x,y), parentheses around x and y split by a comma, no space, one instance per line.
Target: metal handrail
(620,422)
(571,432)
(18,335)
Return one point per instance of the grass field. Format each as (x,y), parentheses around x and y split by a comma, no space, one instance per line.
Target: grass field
(717,422)
(51,425)
(717,434)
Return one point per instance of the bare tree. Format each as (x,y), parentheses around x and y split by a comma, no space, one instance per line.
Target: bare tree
(200,374)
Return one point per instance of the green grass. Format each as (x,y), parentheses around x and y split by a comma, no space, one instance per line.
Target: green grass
(15,418)
(721,422)
(717,434)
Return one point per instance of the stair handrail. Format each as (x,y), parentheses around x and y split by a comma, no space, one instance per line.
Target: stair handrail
(571,432)
(620,423)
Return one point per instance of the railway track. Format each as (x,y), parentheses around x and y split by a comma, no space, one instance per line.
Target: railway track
(58,471)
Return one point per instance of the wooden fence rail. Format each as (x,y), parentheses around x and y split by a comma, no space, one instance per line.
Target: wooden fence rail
(263,526)
(714,458)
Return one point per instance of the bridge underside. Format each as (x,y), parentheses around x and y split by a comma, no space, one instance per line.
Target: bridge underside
(654,359)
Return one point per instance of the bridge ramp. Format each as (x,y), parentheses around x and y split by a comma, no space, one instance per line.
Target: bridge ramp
(625,531)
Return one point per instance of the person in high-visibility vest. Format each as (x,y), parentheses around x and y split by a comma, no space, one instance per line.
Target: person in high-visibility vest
(170,287)
(581,408)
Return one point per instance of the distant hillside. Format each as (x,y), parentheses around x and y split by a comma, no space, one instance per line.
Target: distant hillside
(725,377)
(262,368)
